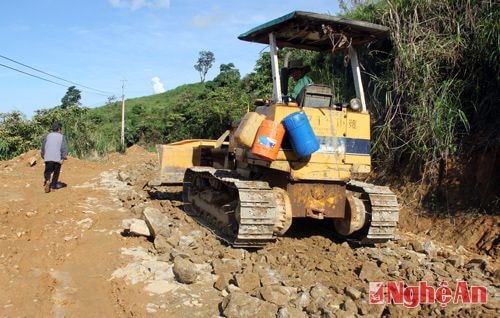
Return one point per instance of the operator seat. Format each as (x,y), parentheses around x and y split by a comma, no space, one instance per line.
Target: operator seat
(315,95)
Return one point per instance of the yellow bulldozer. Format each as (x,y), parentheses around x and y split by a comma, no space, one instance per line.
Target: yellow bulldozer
(249,198)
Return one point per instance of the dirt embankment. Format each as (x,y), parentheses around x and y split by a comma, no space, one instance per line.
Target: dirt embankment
(65,254)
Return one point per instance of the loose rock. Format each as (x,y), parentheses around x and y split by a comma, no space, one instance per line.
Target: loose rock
(157,222)
(352,292)
(223,281)
(429,248)
(456,260)
(136,226)
(241,305)
(247,281)
(370,272)
(161,245)
(278,295)
(184,271)
(289,312)
(139,229)
(303,299)
(417,246)
(350,307)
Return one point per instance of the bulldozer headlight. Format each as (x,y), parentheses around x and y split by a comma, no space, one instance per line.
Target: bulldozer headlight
(355,104)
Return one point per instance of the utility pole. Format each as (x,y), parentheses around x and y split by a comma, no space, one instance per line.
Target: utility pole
(123,114)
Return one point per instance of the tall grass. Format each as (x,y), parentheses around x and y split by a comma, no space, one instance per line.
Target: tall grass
(439,84)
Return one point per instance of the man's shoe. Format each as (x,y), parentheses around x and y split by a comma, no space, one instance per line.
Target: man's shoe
(61,185)
(57,186)
(46,187)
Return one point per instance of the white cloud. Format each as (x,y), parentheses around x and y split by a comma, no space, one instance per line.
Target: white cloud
(157,85)
(138,4)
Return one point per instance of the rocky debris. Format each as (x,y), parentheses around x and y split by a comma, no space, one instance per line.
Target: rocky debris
(127,177)
(350,307)
(133,273)
(161,245)
(31,161)
(268,276)
(370,272)
(226,265)
(290,312)
(184,271)
(496,275)
(247,281)
(461,250)
(324,265)
(456,260)
(352,292)
(160,286)
(136,227)
(278,295)
(417,246)
(477,262)
(322,300)
(430,248)
(187,241)
(222,281)
(308,276)
(123,176)
(241,305)
(157,222)
(302,300)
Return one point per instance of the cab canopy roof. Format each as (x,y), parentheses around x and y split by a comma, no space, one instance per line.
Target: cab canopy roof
(313,31)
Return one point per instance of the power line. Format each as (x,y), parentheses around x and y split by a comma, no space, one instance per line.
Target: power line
(59,78)
(44,79)
(15,69)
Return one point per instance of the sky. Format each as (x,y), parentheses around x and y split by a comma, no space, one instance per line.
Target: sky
(146,46)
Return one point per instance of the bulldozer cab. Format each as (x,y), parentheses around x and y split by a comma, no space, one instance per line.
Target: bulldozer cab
(315,32)
(342,129)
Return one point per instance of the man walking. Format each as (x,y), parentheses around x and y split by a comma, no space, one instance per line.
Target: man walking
(54,152)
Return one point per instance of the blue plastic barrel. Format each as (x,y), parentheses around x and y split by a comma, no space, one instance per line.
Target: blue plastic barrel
(302,136)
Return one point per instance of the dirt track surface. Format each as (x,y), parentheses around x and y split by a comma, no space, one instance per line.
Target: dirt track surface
(64,254)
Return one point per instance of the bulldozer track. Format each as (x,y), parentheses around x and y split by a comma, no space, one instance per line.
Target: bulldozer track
(382,209)
(252,220)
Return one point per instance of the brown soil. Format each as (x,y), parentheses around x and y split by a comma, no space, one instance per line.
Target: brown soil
(59,250)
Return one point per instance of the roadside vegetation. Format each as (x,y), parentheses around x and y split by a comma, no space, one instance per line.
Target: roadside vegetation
(432,87)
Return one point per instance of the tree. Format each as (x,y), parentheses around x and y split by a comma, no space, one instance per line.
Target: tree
(111,100)
(351,5)
(72,97)
(204,63)
(228,75)
(16,135)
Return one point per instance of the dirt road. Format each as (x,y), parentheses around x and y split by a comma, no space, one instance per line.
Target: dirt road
(64,254)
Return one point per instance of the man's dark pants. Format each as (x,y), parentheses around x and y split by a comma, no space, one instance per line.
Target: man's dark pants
(52,167)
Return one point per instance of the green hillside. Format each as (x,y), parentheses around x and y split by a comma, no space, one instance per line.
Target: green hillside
(432,89)
(148,119)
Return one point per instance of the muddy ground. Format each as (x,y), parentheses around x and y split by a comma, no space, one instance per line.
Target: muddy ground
(66,254)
